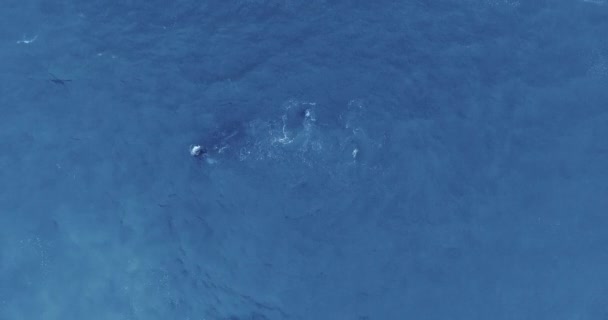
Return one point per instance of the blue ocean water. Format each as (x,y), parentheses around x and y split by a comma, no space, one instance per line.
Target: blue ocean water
(364,160)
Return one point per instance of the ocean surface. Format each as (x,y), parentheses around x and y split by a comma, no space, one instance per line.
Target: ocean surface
(363,160)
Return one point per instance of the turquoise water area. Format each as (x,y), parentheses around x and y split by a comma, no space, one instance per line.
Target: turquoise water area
(366,160)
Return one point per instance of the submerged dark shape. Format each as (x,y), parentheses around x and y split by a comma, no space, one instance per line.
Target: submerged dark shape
(226,138)
(59,81)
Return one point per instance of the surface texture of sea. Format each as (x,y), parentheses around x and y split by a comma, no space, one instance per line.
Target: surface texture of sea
(365,160)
